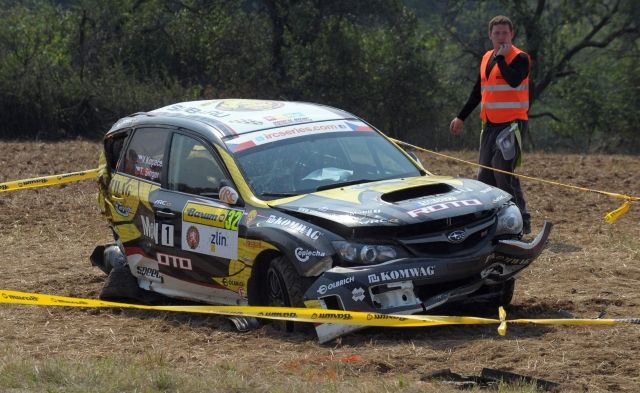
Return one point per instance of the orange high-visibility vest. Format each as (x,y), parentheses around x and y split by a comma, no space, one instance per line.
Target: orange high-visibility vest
(502,103)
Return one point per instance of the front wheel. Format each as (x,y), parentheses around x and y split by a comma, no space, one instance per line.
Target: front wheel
(503,294)
(286,288)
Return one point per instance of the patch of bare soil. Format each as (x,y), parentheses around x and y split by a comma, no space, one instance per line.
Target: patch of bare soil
(47,235)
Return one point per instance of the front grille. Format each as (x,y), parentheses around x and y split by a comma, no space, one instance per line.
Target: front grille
(445,247)
(421,229)
(437,243)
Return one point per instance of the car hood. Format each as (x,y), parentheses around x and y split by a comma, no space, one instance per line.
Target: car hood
(396,202)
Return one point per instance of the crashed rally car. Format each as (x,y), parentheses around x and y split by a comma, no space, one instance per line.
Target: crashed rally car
(252,202)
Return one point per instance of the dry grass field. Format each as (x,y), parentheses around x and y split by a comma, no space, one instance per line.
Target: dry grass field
(47,235)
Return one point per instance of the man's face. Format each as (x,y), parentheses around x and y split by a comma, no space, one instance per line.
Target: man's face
(499,35)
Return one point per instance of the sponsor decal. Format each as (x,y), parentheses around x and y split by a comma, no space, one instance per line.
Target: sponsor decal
(287,118)
(166,235)
(246,121)
(457,236)
(322,289)
(120,187)
(279,314)
(211,216)
(228,195)
(148,272)
(149,228)
(250,140)
(433,200)
(161,203)
(70,175)
(499,199)
(510,260)
(217,225)
(382,316)
(174,261)
(3,186)
(230,282)
(294,226)
(364,212)
(443,206)
(251,216)
(193,111)
(253,243)
(401,274)
(217,239)
(331,315)
(193,237)
(358,294)
(248,105)
(19,297)
(303,255)
(378,220)
(39,180)
(122,209)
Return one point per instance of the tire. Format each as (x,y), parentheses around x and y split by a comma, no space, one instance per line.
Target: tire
(286,288)
(120,285)
(503,295)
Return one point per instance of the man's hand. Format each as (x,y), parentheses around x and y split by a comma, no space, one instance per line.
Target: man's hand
(503,50)
(456,126)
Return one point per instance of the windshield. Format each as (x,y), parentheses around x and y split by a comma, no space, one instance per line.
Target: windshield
(320,161)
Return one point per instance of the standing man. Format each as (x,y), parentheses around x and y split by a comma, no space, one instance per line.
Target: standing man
(502,89)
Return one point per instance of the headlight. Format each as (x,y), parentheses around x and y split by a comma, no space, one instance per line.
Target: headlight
(367,253)
(509,221)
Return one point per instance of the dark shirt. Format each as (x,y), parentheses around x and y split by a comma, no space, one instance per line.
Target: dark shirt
(513,73)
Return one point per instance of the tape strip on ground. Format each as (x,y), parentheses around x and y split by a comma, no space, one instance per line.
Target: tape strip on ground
(304,314)
(46,181)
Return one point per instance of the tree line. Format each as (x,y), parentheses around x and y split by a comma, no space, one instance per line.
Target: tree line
(71,68)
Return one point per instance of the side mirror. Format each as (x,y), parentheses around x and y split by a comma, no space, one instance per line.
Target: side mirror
(228,194)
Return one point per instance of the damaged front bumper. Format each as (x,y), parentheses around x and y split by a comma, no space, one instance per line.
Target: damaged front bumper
(410,286)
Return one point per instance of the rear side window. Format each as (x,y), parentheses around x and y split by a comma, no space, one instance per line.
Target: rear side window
(144,157)
(113,148)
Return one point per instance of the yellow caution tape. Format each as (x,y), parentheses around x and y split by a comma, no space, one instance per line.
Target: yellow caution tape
(313,315)
(609,217)
(46,181)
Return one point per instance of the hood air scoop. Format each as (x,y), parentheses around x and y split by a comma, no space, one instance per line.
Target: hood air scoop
(417,192)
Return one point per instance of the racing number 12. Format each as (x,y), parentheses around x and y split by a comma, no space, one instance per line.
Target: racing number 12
(233,217)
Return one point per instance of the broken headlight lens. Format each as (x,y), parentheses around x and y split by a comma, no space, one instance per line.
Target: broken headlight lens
(509,221)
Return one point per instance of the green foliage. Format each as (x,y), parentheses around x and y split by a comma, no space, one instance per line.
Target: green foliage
(71,68)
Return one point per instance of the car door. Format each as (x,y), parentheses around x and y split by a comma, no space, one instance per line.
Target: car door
(198,233)
(139,175)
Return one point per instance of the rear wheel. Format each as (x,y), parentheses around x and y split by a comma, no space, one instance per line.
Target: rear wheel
(286,288)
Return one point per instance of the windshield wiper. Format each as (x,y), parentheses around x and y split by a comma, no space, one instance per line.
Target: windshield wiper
(346,183)
(279,194)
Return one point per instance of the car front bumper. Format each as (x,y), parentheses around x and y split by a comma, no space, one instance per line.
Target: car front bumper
(413,285)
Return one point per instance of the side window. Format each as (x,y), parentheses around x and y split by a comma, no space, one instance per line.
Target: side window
(193,168)
(145,154)
(113,148)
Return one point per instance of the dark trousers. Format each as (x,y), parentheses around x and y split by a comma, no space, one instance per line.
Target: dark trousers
(490,155)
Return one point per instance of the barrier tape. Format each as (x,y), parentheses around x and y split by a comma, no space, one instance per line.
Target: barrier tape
(610,217)
(46,181)
(312,315)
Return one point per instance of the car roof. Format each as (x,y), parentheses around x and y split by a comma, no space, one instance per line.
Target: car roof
(231,117)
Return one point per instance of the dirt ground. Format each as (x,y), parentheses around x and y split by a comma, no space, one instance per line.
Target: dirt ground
(589,267)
